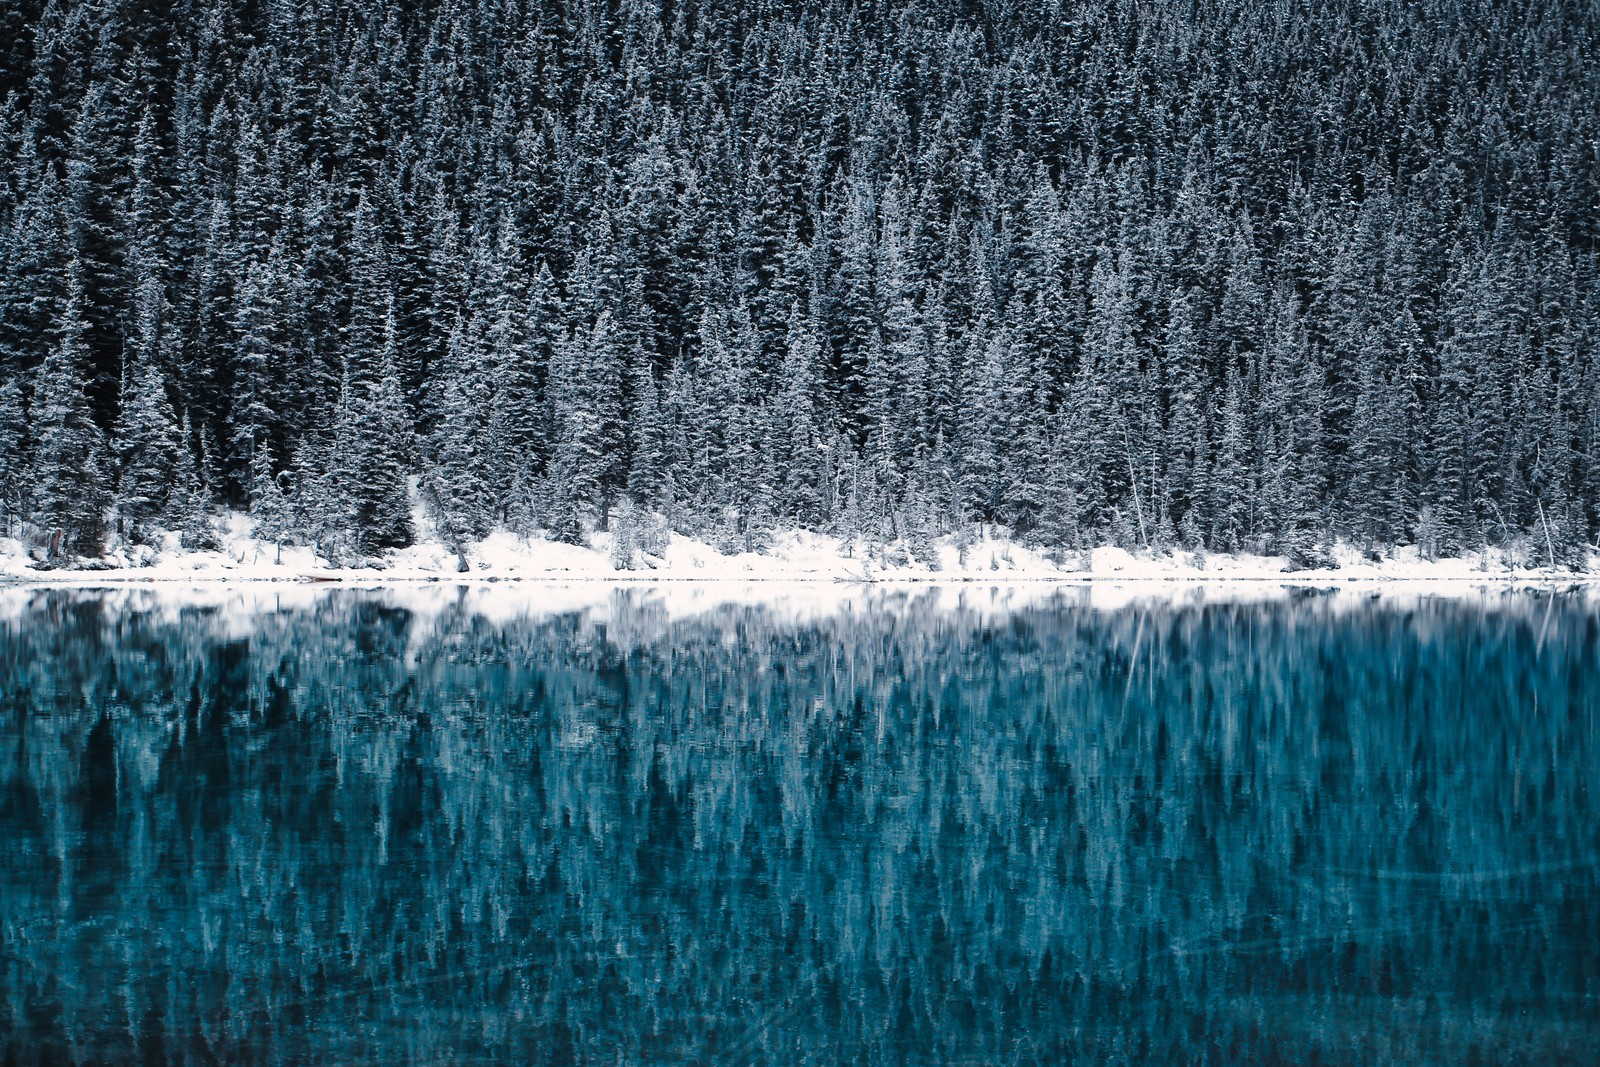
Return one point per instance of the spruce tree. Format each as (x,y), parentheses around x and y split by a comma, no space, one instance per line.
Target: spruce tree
(454,479)
(648,468)
(981,425)
(380,498)
(795,437)
(501,302)
(69,462)
(147,447)
(258,348)
(189,509)
(1184,448)
(1233,483)
(16,472)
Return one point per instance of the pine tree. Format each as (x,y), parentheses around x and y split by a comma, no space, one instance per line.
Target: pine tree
(1186,385)
(16,474)
(33,276)
(315,508)
(189,510)
(380,498)
(1376,501)
(258,346)
(1232,488)
(1060,511)
(1041,306)
(982,421)
(371,297)
(454,481)
(1292,404)
(147,446)
(1104,402)
(795,437)
(851,310)
(69,461)
(1024,426)
(502,303)
(580,398)
(1446,513)
(647,471)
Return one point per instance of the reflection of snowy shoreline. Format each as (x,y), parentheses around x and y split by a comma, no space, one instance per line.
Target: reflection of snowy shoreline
(626,603)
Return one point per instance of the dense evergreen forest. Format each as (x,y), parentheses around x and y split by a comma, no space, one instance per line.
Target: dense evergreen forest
(1240,275)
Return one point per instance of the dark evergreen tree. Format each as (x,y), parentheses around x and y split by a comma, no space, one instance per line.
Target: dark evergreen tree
(380,457)
(147,447)
(69,463)
(16,470)
(190,508)
(259,343)
(455,480)
(795,439)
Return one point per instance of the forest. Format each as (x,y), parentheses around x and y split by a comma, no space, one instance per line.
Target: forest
(1218,274)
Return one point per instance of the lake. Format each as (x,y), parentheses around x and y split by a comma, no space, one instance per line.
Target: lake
(641,825)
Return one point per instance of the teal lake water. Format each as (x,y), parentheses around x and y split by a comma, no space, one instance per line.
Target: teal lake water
(388,827)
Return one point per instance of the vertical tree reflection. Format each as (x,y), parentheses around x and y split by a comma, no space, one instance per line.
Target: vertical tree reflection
(349,832)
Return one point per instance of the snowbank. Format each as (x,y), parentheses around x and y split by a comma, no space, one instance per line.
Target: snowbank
(792,556)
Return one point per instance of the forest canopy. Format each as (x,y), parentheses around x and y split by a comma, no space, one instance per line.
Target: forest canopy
(1236,275)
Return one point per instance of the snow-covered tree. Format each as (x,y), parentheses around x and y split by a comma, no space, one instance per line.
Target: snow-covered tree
(69,464)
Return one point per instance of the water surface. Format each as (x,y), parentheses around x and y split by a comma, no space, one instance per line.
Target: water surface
(451,827)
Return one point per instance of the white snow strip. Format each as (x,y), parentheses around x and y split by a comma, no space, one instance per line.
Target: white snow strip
(793,558)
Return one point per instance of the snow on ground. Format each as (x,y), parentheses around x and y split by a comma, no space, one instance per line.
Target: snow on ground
(793,558)
(803,577)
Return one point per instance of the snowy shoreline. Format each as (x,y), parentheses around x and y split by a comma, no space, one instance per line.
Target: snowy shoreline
(790,557)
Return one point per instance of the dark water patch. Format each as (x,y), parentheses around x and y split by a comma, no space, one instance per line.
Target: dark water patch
(352,831)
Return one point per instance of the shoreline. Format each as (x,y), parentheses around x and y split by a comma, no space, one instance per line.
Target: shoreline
(377,579)
(357,580)
(789,557)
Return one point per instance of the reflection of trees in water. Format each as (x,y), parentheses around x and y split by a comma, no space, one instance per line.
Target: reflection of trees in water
(352,833)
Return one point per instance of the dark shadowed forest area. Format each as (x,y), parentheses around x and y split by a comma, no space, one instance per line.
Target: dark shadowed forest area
(1232,275)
